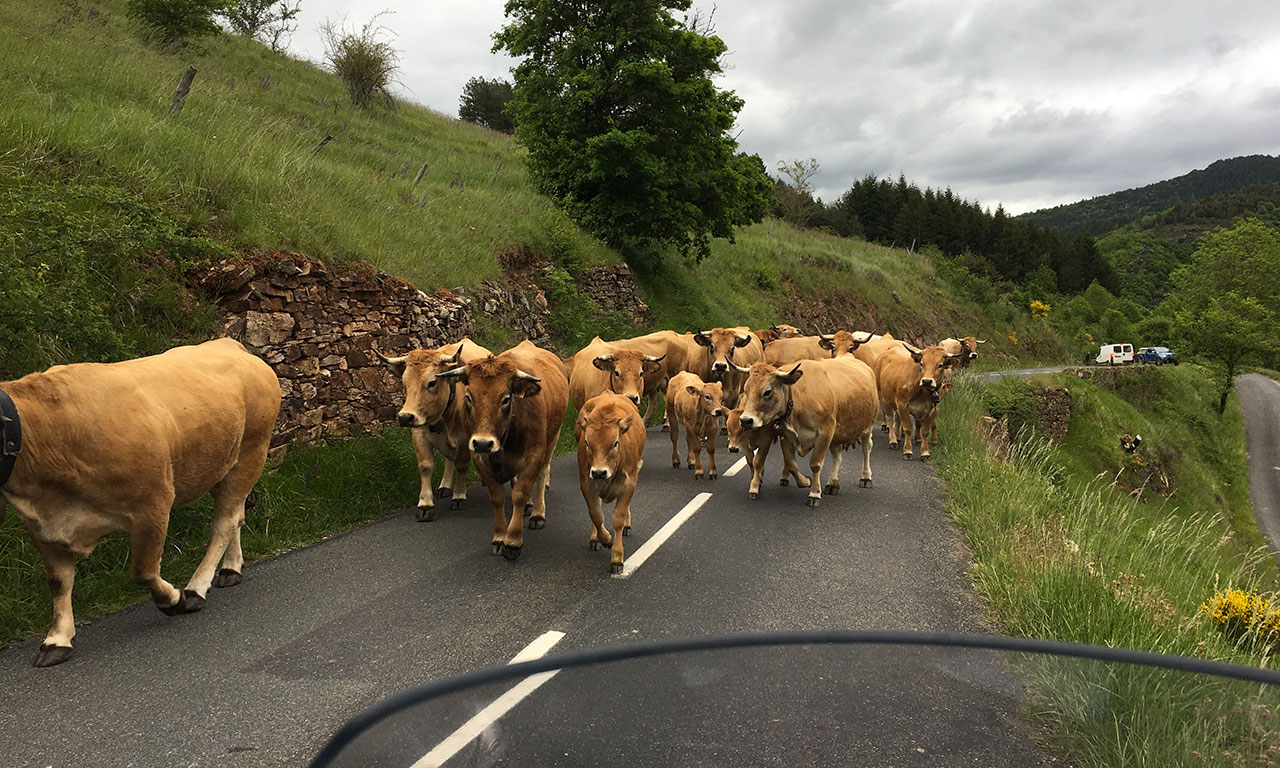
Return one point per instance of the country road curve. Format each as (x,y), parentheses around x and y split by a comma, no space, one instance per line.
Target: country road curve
(1260,404)
(271,668)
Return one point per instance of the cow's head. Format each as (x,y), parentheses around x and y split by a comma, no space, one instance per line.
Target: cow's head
(599,432)
(969,348)
(710,397)
(843,342)
(934,364)
(626,369)
(733,423)
(785,331)
(494,387)
(426,395)
(767,395)
(720,344)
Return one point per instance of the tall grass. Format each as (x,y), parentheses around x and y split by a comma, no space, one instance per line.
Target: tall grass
(1063,555)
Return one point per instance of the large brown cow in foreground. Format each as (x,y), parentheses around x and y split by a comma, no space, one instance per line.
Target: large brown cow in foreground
(828,405)
(433,409)
(516,403)
(605,367)
(114,447)
(611,442)
(910,381)
(696,405)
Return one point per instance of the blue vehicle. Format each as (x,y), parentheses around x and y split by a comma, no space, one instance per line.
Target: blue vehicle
(1155,356)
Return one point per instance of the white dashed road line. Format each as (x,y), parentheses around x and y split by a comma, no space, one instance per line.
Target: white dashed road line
(500,706)
(737,467)
(649,547)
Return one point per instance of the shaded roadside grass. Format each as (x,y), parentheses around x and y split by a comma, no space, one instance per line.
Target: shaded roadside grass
(1063,554)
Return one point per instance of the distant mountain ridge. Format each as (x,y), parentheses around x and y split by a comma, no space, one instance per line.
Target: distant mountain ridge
(1105,213)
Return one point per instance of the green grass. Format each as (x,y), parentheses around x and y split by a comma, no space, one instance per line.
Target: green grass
(1062,551)
(315,492)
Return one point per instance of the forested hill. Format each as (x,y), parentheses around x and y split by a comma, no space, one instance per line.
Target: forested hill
(1105,213)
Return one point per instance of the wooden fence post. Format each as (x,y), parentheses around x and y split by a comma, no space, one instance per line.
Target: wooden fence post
(179,99)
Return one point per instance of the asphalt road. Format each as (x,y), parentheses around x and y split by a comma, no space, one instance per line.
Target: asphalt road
(1260,402)
(271,668)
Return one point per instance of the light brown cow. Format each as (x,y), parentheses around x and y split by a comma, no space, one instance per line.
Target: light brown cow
(516,403)
(966,347)
(433,410)
(611,442)
(672,349)
(774,332)
(910,381)
(726,348)
(605,367)
(114,447)
(697,406)
(748,441)
(820,406)
(785,351)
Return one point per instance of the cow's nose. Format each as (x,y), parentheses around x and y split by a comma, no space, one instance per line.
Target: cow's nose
(634,398)
(599,474)
(748,421)
(733,449)
(481,445)
(406,419)
(929,384)
(717,412)
(973,355)
(720,366)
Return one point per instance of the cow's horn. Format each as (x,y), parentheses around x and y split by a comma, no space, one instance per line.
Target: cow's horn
(652,359)
(452,372)
(981,341)
(739,368)
(457,353)
(829,337)
(388,360)
(607,358)
(526,376)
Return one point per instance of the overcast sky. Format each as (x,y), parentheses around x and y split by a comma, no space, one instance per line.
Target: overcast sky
(1022,102)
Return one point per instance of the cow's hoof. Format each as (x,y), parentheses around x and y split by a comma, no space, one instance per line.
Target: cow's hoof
(426,514)
(675,463)
(442,492)
(528,508)
(712,476)
(924,457)
(690,465)
(227,578)
(697,475)
(812,502)
(831,490)
(457,503)
(615,567)
(511,553)
(595,546)
(864,483)
(495,548)
(50,655)
(724,430)
(537,523)
(626,530)
(884,427)
(188,602)
(666,428)
(753,495)
(784,481)
(893,446)
(907,457)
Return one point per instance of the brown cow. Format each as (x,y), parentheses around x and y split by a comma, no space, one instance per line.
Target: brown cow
(516,404)
(725,349)
(114,447)
(786,351)
(433,410)
(829,405)
(697,405)
(747,441)
(910,381)
(774,332)
(672,349)
(605,367)
(966,347)
(610,455)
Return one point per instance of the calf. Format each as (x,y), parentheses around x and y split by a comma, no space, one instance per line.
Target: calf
(697,405)
(610,455)
(748,441)
(832,407)
(910,387)
(516,403)
(433,410)
(114,447)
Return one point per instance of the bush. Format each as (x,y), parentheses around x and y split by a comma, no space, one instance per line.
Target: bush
(362,60)
(173,21)
(484,102)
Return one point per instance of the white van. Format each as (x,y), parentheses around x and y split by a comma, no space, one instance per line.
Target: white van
(1114,354)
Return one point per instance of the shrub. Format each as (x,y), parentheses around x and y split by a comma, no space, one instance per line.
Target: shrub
(484,102)
(173,21)
(1241,614)
(363,61)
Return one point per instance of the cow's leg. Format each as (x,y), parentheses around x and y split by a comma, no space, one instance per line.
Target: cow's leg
(458,486)
(541,481)
(710,442)
(816,459)
(757,468)
(884,417)
(426,468)
(892,418)
(832,488)
(146,545)
(674,425)
(926,433)
(621,523)
(865,479)
(228,516)
(595,508)
(60,571)
(907,430)
(693,446)
(498,500)
(521,491)
(446,479)
(791,467)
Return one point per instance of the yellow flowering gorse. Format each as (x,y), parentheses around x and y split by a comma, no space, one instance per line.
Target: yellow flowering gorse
(1239,613)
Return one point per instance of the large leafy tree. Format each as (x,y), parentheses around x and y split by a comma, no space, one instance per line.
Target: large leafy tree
(1226,301)
(614,101)
(484,102)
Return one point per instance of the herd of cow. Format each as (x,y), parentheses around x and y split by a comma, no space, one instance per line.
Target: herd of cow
(92,448)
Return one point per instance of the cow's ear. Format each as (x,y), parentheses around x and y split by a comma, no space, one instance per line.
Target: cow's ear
(525,387)
(603,362)
(791,376)
(693,390)
(580,427)
(742,340)
(624,425)
(826,343)
(702,339)
(651,366)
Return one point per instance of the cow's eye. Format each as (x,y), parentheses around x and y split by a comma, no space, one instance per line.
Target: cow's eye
(618,374)
(707,396)
(431,384)
(506,399)
(768,392)
(615,443)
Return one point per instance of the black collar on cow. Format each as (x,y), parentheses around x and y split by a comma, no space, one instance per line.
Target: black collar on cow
(10,436)
(438,426)
(780,425)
